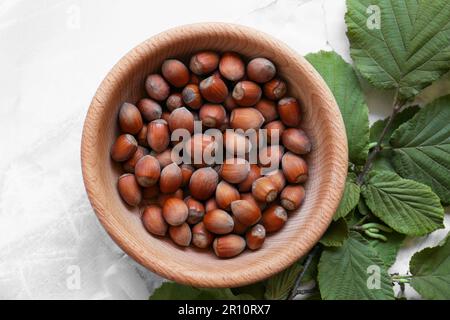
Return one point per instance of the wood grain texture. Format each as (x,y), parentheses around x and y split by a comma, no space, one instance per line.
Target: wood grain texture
(328,160)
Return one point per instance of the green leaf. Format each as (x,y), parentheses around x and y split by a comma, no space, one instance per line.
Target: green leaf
(377,128)
(406,206)
(349,199)
(255,290)
(410,48)
(336,234)
(431,271)
(279,286)
(422,148)
(344,272)
(175,291)
(314,296)
(388,250)
(363,208)
(382,162)
(345,86)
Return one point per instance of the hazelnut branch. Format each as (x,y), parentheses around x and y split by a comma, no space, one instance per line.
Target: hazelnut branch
(398,106)
(295,289)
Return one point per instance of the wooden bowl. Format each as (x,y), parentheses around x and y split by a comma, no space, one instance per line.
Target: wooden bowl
(327,163)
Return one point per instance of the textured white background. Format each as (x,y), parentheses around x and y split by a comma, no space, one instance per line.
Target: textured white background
(53,55)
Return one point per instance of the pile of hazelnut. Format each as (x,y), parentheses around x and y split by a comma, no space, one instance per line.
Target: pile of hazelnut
(231,205)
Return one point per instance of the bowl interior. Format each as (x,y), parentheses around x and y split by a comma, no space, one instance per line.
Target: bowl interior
(327,162)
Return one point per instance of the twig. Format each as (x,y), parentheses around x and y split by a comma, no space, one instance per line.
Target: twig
(363,219)
(295,289)
(376,150)
(308,291)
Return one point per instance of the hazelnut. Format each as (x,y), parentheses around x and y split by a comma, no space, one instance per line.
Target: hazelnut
(147,171)
(153,221)
(175,211)
(218,222)
(247,93)
(201,238)
(229,103)
(203,183)
(131,163)
(142,136)
(246,212)
(296,141)
(278,179)
(270,156)
(289,111)
(254,174)
(164,158)
(181,118)
(268,109)
(150,193)
(158,135)
(231,66)
(274,129)
(255,237)
(192,97)
(249,197)
(150,109)
(246,118)
(263,189)
(195,79)
(124,148)
(204,62)
(226,123)
(174,101)
(175,72)
(186,173)
(157,88)
(226,194)
(181,235)
(129,190)
(274,218)
(235,170)
(162,198)
(275,89)
(292,197)
(236,144)
(212,115)
(130,119)
(171,179)
(239,228)
(261,70)
(165,116)
(196,210)
(295,168)
(214,89)
(211,205)
(229,246)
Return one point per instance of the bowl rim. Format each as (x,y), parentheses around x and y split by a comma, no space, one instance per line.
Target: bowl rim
(162,267)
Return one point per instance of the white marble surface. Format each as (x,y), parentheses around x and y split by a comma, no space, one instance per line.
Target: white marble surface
(53,55)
